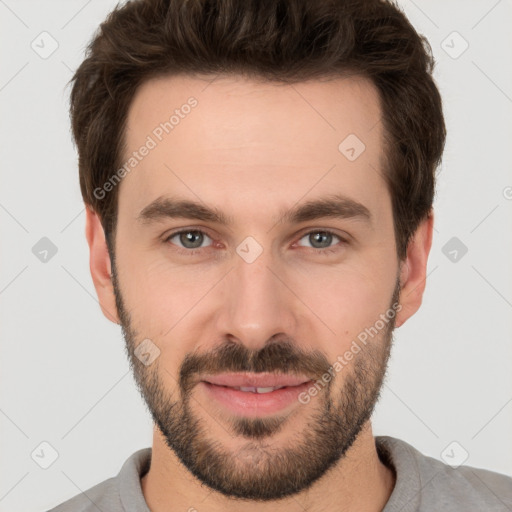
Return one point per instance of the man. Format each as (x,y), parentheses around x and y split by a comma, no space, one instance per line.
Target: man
(259,179)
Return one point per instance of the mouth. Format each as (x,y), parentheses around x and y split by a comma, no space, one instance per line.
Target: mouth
(254,395)
(253,389)
(246,381)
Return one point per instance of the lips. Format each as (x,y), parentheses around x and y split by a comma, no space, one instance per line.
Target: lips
(257,383)
(256,400)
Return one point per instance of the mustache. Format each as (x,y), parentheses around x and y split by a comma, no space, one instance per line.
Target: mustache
(283,357)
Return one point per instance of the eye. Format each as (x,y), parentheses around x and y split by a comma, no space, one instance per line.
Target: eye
(321,239)
(189,239)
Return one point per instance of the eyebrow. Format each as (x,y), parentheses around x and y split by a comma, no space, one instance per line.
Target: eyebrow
(333,206)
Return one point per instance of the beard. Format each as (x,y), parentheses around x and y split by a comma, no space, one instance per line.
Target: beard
(257,470)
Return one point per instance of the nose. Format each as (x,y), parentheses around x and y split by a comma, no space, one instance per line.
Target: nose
(257,302)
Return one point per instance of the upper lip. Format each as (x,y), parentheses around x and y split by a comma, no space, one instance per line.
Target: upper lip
(257,380)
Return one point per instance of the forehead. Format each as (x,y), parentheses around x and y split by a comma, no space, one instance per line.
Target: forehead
(239,107)
(223,137)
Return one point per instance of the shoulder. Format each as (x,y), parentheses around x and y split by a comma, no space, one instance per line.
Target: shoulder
(435,485)
(103,496)
(468,486)
(117,493)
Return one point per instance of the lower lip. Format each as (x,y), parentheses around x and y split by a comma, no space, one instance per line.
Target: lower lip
(247,403)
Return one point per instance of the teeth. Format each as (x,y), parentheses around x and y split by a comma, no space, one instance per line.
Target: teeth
(258,390)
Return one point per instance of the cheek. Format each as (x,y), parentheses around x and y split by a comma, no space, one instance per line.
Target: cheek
(161,303)
(347,299)
(158,294)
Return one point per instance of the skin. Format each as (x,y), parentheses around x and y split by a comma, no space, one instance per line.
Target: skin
(254,150)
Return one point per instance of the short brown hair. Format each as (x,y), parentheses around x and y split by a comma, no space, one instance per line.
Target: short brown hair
(276,40)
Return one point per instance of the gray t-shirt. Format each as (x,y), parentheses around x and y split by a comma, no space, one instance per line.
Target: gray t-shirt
(423,484)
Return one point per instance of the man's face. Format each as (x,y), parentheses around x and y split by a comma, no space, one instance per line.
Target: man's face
(265,293)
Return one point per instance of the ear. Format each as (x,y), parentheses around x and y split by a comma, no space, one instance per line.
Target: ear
(100,265)
(413,270)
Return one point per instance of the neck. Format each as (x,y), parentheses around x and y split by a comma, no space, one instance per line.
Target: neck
(358,482)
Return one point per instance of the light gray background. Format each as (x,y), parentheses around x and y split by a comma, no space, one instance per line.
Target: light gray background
(64,376)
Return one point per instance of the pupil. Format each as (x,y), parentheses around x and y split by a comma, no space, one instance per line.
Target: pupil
(317,237)
(188,238)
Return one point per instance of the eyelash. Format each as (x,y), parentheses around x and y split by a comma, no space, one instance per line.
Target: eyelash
(191,252)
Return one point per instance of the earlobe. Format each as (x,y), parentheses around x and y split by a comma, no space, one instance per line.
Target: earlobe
(100,265)
(413,270)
